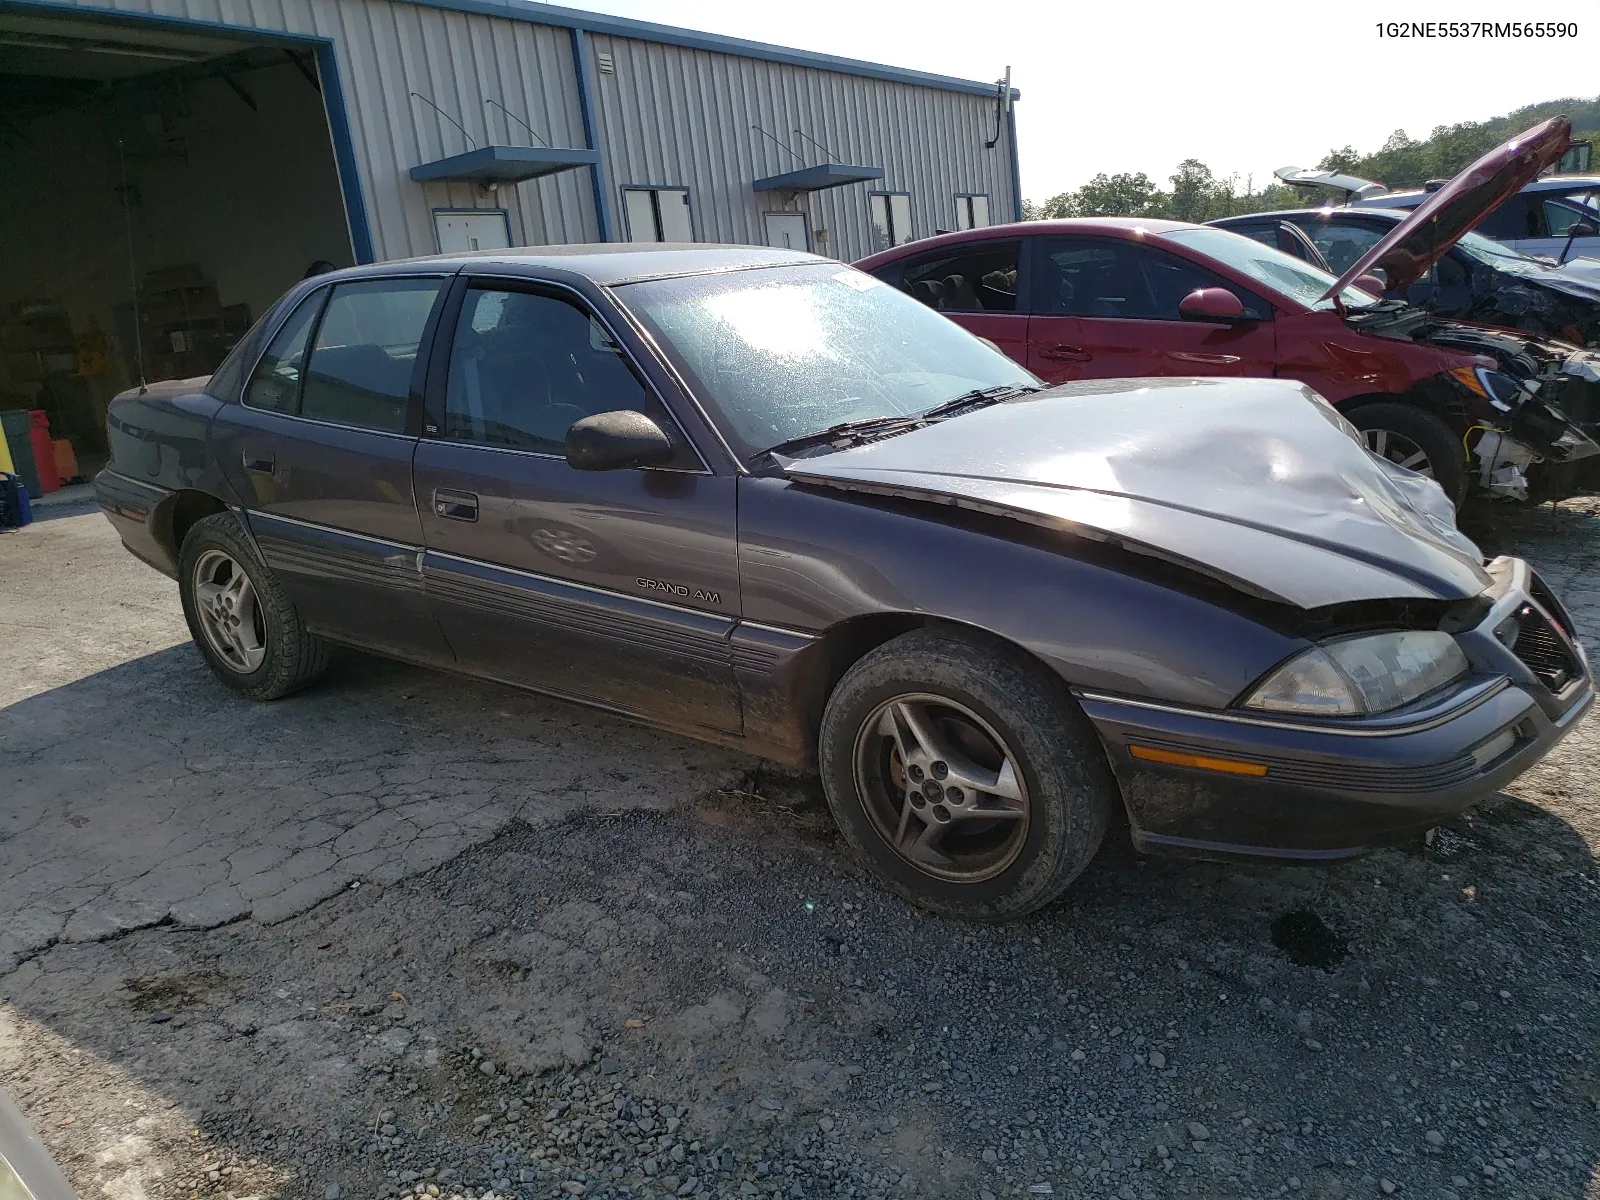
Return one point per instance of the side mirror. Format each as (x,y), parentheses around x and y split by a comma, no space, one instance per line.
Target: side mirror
(1580,229)
(615,441)
(1370,283)
(1212,304)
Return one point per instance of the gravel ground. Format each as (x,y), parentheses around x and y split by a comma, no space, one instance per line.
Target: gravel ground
(705,997)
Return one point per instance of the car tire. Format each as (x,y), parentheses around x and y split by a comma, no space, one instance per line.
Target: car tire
(244,623)
(1399,431)
(968,709)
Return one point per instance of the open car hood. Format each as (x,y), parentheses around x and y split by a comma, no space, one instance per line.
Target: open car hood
(1258,483)
(1406,252)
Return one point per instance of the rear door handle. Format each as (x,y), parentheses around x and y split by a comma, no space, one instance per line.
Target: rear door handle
(455,506)
(1065,353)
(267,465)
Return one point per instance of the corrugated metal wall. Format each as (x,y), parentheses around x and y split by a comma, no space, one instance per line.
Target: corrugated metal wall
(671,115)
(457,60)
(666,115)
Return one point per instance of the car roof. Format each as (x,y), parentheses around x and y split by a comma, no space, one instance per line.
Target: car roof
(1122,227)
(1283,214)
(605,263)
(1414,196)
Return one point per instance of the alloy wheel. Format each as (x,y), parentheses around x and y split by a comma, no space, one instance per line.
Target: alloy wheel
(1398,449)
(941,787)
(230,617)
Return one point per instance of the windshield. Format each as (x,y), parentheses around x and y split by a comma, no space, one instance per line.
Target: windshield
(1487,250)
(1283,273)
(785,352)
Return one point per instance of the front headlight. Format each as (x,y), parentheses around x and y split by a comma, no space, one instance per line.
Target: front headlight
(1363,675)
(1498,388)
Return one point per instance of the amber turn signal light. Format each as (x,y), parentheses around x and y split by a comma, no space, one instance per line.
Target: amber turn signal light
(1200,762)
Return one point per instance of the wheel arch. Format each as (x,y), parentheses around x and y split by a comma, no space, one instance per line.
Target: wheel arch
(847,642)
(178,513)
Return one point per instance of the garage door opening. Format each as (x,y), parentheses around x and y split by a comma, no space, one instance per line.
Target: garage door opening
(161,189)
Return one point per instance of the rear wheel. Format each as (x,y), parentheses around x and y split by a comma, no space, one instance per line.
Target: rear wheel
(964,775)
(1417,440)
(239,615)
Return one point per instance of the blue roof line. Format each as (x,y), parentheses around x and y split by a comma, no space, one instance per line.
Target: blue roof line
(671,35)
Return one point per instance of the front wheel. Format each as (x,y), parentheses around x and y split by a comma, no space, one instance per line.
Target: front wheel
(963,775)
(1417,440)
(246,627)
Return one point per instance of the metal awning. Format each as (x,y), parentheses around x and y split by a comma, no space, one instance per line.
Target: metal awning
(503,164)
(817,178)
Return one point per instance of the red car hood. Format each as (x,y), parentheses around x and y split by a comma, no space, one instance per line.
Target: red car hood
(1416,243)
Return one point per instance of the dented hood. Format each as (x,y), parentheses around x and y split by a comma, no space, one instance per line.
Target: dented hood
(1256,482)
(1406,252)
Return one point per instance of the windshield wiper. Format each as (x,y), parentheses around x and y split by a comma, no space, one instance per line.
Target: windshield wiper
(853,433)
(848,433)
(977,398)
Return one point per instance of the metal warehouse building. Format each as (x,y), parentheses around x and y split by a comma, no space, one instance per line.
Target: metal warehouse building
(202,154)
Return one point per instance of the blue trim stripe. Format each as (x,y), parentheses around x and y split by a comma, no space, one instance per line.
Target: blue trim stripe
(670,35)
(344,153)
(587,106)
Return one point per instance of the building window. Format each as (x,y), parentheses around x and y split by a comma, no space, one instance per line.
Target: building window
(972,212)
(891,219)
(657,214)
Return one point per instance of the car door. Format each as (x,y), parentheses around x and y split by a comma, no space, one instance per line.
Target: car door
(615,587)
(1552,215)
(320,448)
(977,285)
(1105,308)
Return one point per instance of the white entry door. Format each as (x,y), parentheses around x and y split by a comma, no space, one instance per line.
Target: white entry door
(461,230)
(787,230)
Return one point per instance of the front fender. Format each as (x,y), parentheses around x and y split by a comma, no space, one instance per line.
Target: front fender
(1101,618)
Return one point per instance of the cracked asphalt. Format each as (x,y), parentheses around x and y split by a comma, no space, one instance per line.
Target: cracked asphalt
(406,934)
(138,793)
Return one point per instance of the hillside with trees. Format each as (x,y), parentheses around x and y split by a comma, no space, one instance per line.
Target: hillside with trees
(1193,193)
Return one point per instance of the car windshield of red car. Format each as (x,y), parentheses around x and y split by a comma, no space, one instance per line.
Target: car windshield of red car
(1269,267)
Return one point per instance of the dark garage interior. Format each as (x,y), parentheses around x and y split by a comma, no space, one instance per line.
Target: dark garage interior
(161,188)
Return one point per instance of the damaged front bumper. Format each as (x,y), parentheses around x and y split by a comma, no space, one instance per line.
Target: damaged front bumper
(1330,789)
(1545,448)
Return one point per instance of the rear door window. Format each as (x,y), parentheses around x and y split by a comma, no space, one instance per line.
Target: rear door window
(275,385)
(366,352)
(978,278)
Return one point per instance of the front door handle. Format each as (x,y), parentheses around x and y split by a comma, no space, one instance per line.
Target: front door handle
(455,506)
(1064,353)
(1212,360)
(261,464)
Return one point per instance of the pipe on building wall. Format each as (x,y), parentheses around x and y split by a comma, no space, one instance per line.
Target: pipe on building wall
(587,105)
(1016,162)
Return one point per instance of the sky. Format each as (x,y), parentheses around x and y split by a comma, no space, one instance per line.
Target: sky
(1245,86)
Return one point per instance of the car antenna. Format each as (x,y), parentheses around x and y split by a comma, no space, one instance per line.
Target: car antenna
(133,268)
